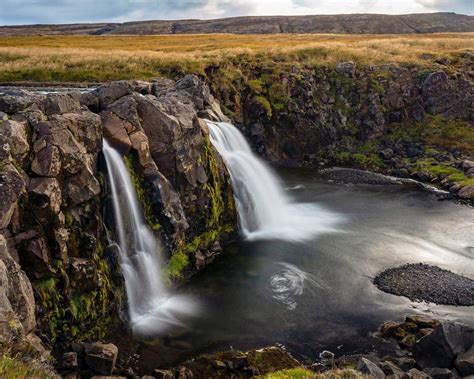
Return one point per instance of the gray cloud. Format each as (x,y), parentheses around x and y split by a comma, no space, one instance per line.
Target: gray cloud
(67,11)
(459,6)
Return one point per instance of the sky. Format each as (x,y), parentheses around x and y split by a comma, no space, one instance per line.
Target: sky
(70,11)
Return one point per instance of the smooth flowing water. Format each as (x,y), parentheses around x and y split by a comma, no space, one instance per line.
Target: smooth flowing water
(264,209)
(317,294)
(151,307)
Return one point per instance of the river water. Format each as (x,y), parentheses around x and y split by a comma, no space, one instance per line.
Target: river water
(317,295)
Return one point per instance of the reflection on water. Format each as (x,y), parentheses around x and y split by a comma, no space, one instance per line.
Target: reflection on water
(322,297)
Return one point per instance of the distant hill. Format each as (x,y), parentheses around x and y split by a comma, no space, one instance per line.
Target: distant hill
(339,24)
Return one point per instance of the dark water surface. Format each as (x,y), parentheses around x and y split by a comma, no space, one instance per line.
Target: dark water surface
(318,295)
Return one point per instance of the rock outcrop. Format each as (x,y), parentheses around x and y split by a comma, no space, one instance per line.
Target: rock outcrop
(54,208)
(394,119)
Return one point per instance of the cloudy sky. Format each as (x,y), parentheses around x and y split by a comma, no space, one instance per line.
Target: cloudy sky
(69,11)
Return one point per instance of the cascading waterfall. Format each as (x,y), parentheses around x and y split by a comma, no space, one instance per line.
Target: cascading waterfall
(151,308)
(265,210)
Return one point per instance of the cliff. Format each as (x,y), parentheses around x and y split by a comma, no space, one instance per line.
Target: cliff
(61,281)
(401,120)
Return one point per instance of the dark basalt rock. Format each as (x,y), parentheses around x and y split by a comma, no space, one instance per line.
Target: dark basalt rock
(420,282)
(440,348)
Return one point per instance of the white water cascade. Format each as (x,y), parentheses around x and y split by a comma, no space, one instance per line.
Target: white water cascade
(265,210)
(151,308)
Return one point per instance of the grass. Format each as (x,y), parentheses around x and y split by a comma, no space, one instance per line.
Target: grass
(104,58)
(15,368)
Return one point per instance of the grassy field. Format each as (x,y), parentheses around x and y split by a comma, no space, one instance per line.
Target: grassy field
(103,58)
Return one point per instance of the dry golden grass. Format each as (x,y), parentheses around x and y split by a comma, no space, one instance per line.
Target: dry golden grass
(99,58)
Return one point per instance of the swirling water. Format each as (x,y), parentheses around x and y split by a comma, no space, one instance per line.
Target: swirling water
(151,308)
(265,210)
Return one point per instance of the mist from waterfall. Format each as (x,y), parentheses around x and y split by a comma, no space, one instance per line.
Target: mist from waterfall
(151,308)
(264,209)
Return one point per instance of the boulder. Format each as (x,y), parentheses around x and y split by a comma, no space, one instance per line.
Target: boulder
(439,373)
(14,103)
(416,374)
(440,348)
(465,362)
(422,321)
(466,192)
(371,369)
(101,357)
(390,368)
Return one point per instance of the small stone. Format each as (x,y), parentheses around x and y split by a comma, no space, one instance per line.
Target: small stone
(69,361)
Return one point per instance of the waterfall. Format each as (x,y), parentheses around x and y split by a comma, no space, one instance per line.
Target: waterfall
(264,209)
(151,308)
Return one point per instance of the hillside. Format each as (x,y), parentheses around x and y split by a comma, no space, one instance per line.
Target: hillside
(338,24)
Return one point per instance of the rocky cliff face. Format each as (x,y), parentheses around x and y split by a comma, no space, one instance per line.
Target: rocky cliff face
(400,120)
(53,203)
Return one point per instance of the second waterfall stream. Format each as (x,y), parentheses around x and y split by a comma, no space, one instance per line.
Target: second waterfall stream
(152,309)
(264,209)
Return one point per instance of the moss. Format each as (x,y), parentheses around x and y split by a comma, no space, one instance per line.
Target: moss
(442,171)
(139,184)
(15,368)
(215,219)
(256,85)
(263,101)
(302,373)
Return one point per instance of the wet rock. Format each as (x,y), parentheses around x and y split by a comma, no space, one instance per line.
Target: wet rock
(101,357)
(347,68)
(115,132)
(422,321)
(465,362)
(367,367)
(440,348)
(439,373)
(405,363)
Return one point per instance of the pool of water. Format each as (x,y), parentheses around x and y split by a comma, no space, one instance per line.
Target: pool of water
(317,295)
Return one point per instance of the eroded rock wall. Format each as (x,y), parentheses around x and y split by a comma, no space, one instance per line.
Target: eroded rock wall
(398,119)
(54,210)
